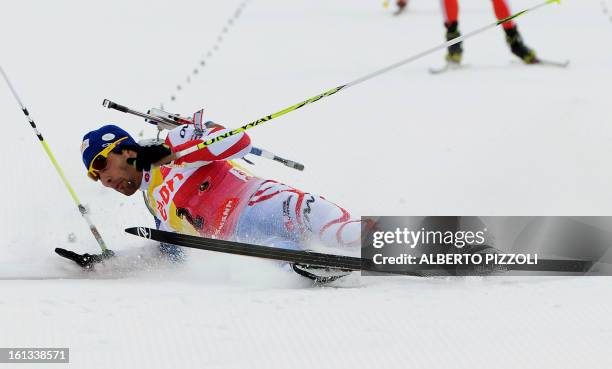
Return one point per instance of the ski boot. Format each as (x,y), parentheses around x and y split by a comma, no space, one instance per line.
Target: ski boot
(518,47)
(483,269)
(455,52)
(320,275)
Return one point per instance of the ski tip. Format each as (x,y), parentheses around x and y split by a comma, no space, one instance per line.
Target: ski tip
(553,63)
(447,68)
(65,253)
(435,71)
(139,231)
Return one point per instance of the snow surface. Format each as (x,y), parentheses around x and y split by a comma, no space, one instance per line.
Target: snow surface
(497,138)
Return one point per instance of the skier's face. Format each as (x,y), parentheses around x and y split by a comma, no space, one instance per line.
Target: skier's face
(119,175)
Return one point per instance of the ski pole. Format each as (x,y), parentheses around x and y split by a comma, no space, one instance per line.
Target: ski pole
(170,121)
(377,73)
(82,209)
(268,155)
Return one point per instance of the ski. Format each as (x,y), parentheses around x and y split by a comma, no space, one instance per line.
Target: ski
(238,248)
(553,63)
(341,262)
(448,67)
(399,11)
(543,63)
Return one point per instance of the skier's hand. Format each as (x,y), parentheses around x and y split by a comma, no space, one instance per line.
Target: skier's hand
(149,155)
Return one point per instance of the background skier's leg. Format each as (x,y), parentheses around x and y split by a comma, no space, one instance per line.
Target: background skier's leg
(502,10)
(450,8)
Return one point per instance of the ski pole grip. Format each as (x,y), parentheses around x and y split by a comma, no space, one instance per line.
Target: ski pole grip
(294,165)
(289,163)
(111,105)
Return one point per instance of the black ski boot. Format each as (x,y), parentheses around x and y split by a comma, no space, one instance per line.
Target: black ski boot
(321,275)
(518,47)
(484,269)
(455,52)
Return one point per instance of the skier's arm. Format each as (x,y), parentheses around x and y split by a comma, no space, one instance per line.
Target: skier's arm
(233,147)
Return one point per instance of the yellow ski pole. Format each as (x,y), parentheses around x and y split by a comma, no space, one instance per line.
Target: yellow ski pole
(59,170)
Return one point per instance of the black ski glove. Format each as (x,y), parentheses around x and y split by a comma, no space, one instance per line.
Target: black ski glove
(86,261)
(148,155)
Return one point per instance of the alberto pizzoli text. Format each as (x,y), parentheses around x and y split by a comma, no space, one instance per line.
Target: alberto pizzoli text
(456,259)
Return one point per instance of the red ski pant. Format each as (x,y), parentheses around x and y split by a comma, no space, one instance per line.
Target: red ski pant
(451,11)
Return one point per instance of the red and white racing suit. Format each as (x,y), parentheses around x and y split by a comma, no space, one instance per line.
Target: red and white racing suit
(203,193)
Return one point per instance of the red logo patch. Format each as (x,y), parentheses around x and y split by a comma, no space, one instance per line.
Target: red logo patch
(165,191)
(223,212)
